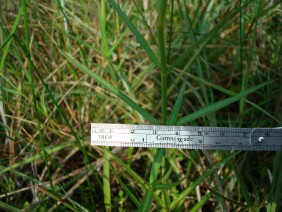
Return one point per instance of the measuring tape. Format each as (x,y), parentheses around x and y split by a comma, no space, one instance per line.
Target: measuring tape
(184,137)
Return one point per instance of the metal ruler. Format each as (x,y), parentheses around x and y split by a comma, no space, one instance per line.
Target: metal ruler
(184,137)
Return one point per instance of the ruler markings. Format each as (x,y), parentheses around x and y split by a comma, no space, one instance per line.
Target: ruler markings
(186,137)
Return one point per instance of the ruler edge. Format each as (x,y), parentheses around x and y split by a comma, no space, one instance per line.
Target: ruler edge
(203,128)
(195,129)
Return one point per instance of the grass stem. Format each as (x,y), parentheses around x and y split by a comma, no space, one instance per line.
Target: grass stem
(161,41)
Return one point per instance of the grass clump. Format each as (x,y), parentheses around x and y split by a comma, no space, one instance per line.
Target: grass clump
(68,63)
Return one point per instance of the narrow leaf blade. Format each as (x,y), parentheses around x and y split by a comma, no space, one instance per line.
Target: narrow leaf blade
(112,89)
(147,200)
(174,113)
(137,34)
(190,188)
(218,105)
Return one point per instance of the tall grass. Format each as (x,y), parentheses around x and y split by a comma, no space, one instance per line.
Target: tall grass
(69,63)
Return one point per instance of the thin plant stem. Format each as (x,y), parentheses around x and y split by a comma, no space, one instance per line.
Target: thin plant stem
(161,41)
(164,73)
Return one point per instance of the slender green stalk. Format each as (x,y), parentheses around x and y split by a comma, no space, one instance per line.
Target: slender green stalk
(161,41)
(104,38)
(162,5)
(106,181)
(243,74)
(106,167)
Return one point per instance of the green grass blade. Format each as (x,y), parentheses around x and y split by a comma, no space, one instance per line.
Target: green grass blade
(78,142)
(226,91)
(6,41)
(136,177)
(200,68)
(242,183)
(112,89)
(190,188)
(148,197)
(174,113)
(44,186)
(115,45)
(49,150)
(274,202)
(7,90)
(167,186)
(197,48)
(219,105)
(161,5)
(127,190)
(57,198)
(136,33)
(7,45)
(156,165)
(147,200)
(34,97)
(132,173)
(140,78)
(106,181)
(216,193)
(105,46)
(7,207)
(200,204)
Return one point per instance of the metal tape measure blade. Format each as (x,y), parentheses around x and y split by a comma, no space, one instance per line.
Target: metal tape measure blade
(186,137)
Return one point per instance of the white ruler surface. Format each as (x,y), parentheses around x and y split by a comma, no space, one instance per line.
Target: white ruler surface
(184,137)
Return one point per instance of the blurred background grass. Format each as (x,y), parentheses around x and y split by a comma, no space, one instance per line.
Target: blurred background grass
(63,65)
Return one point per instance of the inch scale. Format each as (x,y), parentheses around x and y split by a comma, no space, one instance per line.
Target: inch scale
(186,137)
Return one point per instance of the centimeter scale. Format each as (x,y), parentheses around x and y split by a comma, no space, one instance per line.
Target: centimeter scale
(186,137)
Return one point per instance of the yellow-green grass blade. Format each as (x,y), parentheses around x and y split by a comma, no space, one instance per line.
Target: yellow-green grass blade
(49,150)
(112,89)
